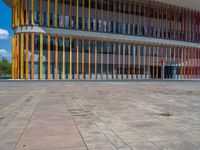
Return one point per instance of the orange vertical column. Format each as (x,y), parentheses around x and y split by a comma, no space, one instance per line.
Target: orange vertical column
(49,58)
(22,12)
(32,55)
(41,7)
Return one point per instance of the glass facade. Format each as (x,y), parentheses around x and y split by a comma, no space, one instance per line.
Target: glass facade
(46,56)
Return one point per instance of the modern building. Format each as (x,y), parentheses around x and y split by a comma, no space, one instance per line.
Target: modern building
(105,39)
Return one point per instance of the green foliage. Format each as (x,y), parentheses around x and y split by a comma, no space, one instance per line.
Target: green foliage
(5,67)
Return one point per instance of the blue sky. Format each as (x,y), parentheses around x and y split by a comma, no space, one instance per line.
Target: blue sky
(5,24)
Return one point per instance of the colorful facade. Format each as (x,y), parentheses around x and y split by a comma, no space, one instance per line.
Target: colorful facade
(104,39)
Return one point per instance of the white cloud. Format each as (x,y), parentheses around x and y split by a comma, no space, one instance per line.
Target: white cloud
(4,34)
(3,53)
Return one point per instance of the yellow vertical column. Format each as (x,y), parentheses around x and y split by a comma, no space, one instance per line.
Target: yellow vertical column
(41,56)
(56,57)
(89,14)
(32,10)
(48,12)
(27,51)
(63,61)
(70,67)
(22,56)
(49,57)
(13,56)
(17,57)
(77,11)
(56,13)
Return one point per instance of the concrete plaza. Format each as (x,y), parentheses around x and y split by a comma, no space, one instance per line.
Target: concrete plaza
(99,115)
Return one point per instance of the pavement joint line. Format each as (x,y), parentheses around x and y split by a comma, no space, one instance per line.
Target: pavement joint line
(14,107)
(30,118)
(90,113)
(76,123)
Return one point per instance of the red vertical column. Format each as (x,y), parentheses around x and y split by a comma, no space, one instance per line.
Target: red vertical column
(181,37)
(187,52)
(195,65)
(198,62)
(195,18)
(199,26)
(188,25)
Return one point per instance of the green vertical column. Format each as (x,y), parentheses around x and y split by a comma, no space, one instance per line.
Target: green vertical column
(89,14)
(32,10)
(56,13)
(77,11)
(48,12)
(41,55)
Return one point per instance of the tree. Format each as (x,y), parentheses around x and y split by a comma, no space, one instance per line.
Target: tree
(5,67)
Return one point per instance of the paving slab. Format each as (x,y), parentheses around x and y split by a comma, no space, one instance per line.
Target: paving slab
(99,115)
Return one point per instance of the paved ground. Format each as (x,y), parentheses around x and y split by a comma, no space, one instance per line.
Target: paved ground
(99,116)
